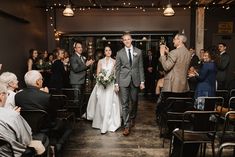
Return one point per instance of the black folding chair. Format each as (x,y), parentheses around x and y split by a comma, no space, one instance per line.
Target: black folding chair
(225,145)
(202,130)
(172,117)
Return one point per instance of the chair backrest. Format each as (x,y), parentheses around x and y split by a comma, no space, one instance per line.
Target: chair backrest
(231,103)
(58,101)
(232,93)
(6,146)
(224,94)
(69,92)
(179,104)
(224,145)
(202,122)
(211,102)
(35,118)
(229,125)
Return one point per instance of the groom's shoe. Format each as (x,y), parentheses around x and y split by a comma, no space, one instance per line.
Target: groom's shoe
(126,131)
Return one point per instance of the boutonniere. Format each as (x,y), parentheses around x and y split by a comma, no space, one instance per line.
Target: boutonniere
(134,54)
(83,57)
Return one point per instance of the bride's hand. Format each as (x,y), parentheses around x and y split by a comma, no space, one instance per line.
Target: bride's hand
(116,88)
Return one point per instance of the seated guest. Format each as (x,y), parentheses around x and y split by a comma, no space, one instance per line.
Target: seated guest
(34,97)
(14,129)
(11,82)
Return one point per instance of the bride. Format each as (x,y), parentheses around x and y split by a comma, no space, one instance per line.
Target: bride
(103,105)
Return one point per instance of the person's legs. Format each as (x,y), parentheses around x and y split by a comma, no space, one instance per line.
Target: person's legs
(124,97)
(134,101)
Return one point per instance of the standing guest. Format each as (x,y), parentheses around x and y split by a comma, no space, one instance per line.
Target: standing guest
(11,82)
(201,53)
(67,69)
(175,64)
(14,129)
(79,65)
(58,72)
(222,67)
(194,65)
(103,105)
(33,54)
(150,66)
(206,76)
(0,66)
(129,78)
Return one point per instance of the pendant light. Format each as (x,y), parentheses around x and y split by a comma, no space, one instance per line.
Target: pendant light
(169,10)
(68,11)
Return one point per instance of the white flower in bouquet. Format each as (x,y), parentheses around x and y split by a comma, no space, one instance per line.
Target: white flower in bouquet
(104,79)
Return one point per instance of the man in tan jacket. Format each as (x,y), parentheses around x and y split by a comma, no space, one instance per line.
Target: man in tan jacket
(175,63)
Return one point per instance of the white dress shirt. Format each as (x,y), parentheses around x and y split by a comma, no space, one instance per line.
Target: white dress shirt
(10,102)
(127,52)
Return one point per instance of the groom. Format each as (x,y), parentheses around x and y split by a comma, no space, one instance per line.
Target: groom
(129,78)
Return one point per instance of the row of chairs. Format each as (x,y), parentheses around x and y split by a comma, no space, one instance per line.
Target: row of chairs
(175,117)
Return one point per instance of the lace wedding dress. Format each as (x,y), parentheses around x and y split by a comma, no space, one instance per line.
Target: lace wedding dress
(104,105)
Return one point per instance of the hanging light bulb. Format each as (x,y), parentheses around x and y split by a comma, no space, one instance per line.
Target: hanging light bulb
(169,11)
(68,11)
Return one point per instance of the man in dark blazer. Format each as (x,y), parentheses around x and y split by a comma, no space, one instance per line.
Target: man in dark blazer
(150,71)
(34,97)
(78,67)
(129,78)
(222,67)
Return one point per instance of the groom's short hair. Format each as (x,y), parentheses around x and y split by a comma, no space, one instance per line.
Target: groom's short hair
(126,34)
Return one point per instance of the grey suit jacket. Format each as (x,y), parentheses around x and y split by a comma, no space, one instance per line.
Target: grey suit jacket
(126,73)
(78,70)
(176,65)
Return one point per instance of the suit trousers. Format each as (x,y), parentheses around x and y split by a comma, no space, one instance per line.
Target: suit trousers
(129,95)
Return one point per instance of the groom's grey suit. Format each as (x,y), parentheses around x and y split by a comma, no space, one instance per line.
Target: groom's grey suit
(128,79)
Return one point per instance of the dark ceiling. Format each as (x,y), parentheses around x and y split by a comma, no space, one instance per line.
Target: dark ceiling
(137,3)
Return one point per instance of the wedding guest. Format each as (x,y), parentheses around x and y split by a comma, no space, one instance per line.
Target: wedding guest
(222,67)
(150,68)
(176,64)
(15,129)
(193,65)
(206,76)
(11,83)
(34,96)
(67,69)
(33,54)
(129,79)
(103,105)
(79,65)
(58,72)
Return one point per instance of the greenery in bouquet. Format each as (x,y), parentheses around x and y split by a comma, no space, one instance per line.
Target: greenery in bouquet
(104,79)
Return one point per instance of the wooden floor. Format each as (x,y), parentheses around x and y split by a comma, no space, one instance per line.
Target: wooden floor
(143,141)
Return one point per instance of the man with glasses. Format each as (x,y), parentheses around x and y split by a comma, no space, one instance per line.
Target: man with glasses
(34,97)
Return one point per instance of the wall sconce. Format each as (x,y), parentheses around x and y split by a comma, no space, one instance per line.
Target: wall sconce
(68,11)
(169,10)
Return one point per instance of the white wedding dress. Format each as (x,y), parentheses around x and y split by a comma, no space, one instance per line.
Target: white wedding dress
(104,105)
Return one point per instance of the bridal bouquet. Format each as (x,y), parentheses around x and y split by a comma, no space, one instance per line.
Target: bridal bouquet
(104,79)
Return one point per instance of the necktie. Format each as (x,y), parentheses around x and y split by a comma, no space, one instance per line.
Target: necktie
(130,57)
